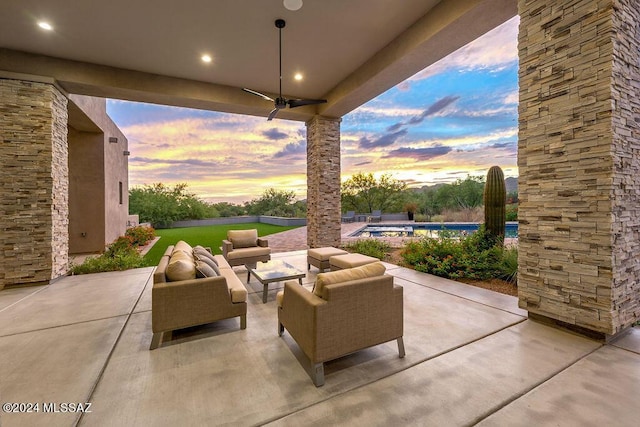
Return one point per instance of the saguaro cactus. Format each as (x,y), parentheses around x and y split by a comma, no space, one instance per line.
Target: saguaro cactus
(495,196)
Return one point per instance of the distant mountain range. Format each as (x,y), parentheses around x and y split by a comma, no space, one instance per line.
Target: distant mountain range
(510,183)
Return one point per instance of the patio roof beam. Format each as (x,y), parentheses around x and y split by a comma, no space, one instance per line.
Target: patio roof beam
(109,82)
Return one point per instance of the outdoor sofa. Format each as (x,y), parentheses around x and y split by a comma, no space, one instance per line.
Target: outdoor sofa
(348,310)
(192,287)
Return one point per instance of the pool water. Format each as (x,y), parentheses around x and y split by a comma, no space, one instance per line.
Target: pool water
(426,230)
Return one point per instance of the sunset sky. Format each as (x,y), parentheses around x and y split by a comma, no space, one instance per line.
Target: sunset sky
(457,117)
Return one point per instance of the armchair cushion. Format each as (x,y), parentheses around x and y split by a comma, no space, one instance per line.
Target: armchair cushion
(243,238)
(181,267)
(339,276)
(248,253)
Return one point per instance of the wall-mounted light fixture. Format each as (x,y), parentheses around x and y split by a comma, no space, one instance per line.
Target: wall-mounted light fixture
(113,140)
(126,153)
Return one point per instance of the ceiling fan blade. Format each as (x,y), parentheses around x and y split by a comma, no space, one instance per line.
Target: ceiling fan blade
(293,103)
(280,102)
(261,95)
(273,113)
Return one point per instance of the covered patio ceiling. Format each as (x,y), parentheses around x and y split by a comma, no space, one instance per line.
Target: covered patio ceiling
(349,51)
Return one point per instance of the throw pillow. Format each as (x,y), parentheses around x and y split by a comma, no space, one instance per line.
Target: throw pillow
(204,270)
(200,252)
(180,267)
(368,270)
(210,263)
(243,238)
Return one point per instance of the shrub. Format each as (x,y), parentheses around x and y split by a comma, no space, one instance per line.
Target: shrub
(512,212)
(161,205)
(410,207)
(475,214)
(476,256)
(509,265)
(102,263)
(141,235)
(120,255)
(122,244)
(421,218)
(371,247)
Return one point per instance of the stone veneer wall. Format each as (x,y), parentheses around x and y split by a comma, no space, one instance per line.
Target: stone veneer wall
(579,165)
(626,162)
(323,182)
(33,182)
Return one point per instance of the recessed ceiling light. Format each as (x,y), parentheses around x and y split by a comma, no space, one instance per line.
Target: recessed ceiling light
(298,76)
(45,25)
(292,4)
(206,58)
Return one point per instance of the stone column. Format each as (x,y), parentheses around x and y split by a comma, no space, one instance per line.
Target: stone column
(323,182)
(33,183)
(579,161)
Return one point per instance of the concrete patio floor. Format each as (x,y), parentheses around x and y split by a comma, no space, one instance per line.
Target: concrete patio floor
(472,357)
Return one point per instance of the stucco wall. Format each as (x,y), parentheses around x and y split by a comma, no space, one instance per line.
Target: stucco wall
(86,192)
(115,172)
(97,203)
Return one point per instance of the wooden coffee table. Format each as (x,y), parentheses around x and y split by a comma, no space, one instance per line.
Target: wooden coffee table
(273,271)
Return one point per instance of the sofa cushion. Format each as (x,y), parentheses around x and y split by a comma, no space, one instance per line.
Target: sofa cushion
(181,267)
(243,238)
(236,288)
(204,270)
(221,261)
(183,246)
(346,275)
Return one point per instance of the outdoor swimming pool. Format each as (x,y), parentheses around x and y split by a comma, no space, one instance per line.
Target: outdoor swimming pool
(426,229)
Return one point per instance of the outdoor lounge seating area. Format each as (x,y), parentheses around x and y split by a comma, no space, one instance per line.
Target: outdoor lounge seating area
(471,356)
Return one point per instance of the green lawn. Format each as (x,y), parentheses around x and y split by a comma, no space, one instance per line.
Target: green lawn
(208,236)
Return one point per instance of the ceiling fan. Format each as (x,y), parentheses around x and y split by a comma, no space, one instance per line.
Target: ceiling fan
(280,102)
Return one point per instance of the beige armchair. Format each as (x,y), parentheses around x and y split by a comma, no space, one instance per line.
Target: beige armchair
(244,247)
(342,316)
